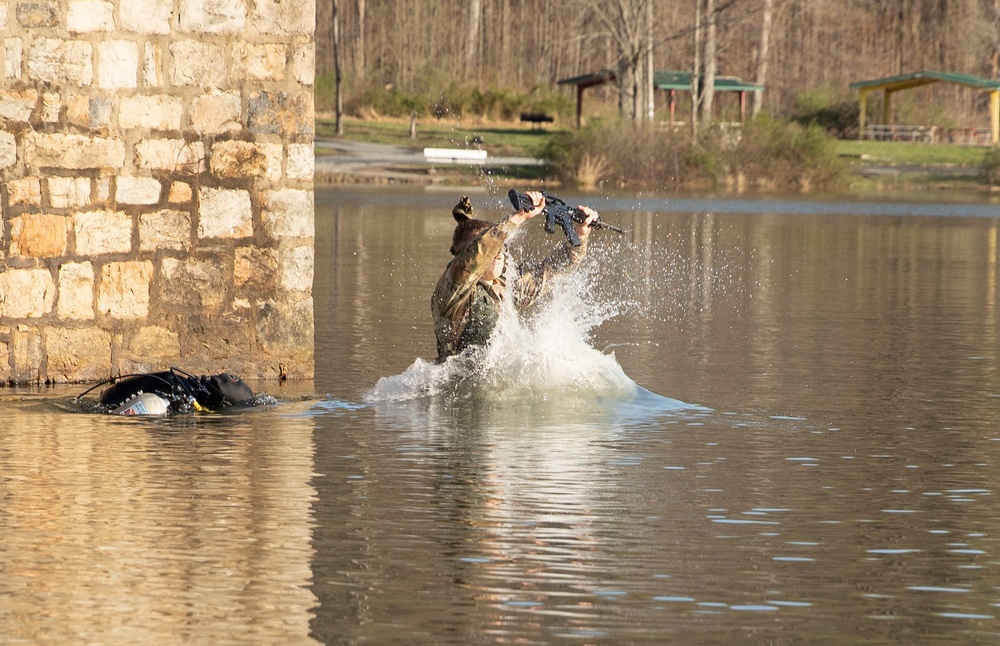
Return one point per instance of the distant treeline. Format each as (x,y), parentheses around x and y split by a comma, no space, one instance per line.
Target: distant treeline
(800,50)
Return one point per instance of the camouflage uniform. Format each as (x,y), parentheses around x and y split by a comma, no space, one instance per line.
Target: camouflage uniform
(466,310)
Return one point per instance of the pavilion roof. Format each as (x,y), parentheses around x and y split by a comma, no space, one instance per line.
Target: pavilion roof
(663,80)
(916,79)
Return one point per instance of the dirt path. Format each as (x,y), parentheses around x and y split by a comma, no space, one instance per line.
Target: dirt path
(340,161)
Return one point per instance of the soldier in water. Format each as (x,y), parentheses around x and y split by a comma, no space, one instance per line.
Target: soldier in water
(468,297)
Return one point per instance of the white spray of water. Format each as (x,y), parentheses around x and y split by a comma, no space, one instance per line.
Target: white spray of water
(542,353)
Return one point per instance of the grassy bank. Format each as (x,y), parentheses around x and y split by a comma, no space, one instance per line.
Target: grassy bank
(768,158)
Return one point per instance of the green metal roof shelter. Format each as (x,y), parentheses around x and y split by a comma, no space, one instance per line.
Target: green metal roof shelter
(668,80)
(893,84)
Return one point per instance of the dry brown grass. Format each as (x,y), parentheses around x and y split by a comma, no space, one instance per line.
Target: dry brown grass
(591,170)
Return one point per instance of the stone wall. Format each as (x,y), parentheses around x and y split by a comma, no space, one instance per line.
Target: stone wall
(156,159)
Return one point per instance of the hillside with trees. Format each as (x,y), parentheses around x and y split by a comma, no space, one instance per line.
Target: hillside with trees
(494,59)
(800,50)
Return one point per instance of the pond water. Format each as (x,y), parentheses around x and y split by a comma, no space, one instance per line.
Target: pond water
(744,421)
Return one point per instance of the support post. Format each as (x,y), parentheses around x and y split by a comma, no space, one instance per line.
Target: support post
(995,116)
(862,112)
(579,106)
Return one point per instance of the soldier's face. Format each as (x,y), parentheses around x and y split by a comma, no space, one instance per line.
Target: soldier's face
(495,270)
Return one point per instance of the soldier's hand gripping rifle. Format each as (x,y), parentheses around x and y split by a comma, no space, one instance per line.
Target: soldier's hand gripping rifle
(557,212)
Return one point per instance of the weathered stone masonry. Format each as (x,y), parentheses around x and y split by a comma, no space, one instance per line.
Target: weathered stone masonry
(156,159)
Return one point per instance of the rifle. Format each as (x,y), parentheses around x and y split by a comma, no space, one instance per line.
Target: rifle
(558,212)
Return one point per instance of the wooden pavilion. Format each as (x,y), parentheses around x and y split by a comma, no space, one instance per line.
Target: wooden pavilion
(670,81)
(892,84)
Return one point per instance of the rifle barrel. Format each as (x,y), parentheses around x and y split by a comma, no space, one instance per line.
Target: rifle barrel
(601,224)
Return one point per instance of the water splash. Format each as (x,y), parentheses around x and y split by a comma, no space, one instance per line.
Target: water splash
(544,354)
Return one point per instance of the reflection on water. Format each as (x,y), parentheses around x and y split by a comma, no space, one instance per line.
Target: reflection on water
(120,530)
(734,425)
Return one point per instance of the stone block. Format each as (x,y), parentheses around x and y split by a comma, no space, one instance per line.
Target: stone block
(102,189)
(38,235)
(275,153)
(68,192)
(196,63)
(102,232)
(78,110)
(301,162)
(303,64)
(152,65)
(284,18)
(280,113)
(146,17)
(193,284)
(6,373)
(26,293)
(76,291)
(26,191)
(158,112)
(180,193)
(213,16)
(224,213)
(54,60)
(255,269)
(73,151)
(83,16)
(295,268)
(26,355)
(288,213)
(77,354)
(235,159)
(137,190)
(165,229)
(51,106)
(151,346)
(174,155)
(12,52)
(285,327)
(124,288)
(216,113)
(8,150)
(259,62)
(88,111)
(3,16)
(17,105)
(118,64)
(32,15)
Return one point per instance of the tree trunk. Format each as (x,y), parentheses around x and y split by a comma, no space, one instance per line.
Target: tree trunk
(711,61)
(650,72)
(762,54)
(472,38)
(336,70)
(359,45)
(696,70)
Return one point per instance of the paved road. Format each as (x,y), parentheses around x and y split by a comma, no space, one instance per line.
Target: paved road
(359,157)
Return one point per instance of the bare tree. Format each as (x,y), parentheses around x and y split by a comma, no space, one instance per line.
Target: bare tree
(696,69)
(627,23)
(760,78)
(336,68)
(359,43)
(711,61)
(472,36)
(650,69)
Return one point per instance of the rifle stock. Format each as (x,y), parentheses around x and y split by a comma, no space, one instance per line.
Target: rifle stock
(557,212)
